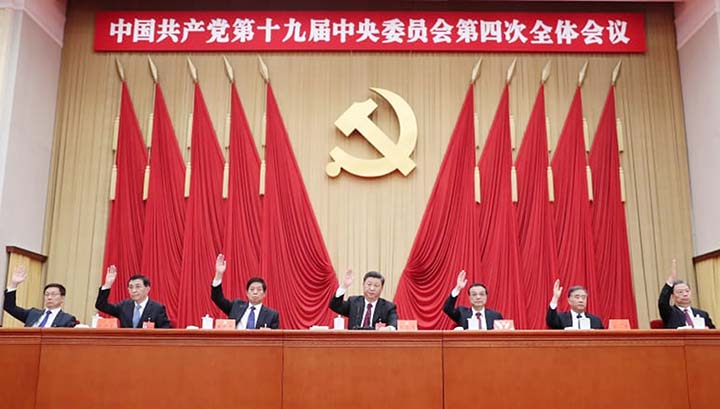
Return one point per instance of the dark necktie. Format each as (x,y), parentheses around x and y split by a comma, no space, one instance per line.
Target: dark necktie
(578,317)
(688,318)
(478,315)
(251,319)
(368,316)
(45,319)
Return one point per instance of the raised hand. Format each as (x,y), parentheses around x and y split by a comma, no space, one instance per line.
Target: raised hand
(348,279)
(673,273)
(557,291)
(220,267)
(18,276)
(110,276)
(461,280)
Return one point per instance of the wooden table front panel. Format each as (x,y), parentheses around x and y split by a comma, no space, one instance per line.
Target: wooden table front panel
(161,369)
(19,359)
(702,355)
(359,369)
(553,370)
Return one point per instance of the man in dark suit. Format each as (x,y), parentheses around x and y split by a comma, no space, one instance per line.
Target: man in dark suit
(478,295)
(250,314)
(681,313)
(135,311)
(367,311)
(51,316)
(577,299)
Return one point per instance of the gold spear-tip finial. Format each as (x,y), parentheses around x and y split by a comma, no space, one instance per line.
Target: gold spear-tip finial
(193,70)
(120,70)
(581,76)
(545,73)
(476,71)
(229,70)
(153,70)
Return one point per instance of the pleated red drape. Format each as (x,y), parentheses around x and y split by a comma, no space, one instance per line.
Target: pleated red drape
(242,230)
(609,226)
(446,241)
(536,225)
(124,241)
(498,229)
(165,211)
(573,218)
(293,257)
(205,219)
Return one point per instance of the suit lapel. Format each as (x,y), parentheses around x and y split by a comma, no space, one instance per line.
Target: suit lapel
(33,317)
(261,318)
(376,313)
(241,311)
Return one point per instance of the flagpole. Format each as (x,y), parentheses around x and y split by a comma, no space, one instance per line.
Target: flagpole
(116,131)
(551,183)
(151,123)
(266,78)
(476,126)
(513,171)
(619,129)
(228,121)
(188,165)
(588,171)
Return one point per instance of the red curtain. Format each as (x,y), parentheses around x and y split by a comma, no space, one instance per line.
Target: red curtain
(124,241)
(573,219)
(165,211)
(498,230)
(445,242)
(538,260)
(242,230)
(293,258)
(609,226)
(205,219)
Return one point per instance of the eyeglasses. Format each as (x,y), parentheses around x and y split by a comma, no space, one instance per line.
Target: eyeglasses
(52,294)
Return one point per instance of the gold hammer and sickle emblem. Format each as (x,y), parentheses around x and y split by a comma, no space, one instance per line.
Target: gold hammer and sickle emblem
(395,156)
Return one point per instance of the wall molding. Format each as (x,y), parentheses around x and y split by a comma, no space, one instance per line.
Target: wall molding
(48,14)
(690,17)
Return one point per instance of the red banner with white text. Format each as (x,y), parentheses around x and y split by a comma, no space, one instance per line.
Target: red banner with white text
(510,31)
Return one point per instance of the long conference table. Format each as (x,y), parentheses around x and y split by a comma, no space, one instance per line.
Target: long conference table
(92,368)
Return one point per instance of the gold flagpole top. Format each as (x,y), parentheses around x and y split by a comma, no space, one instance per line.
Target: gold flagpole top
(153,70)
(229,70)
(510,71)
(193,70)
(581,76)
(263,69)
(616,73)
(476,71)
(545,73)
(120,70)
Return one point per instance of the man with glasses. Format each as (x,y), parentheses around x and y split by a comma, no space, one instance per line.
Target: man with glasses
(681,313)
(367,311)
(136,311)
(52,316)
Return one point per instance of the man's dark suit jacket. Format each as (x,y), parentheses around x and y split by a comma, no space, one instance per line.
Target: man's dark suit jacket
(32,315)
(562,320)
(153,312)
(354,309)
(461,314)
(235,309)
(673,316)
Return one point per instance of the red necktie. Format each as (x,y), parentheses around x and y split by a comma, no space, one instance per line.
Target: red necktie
(688,318)
(368,316)
(479,317)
